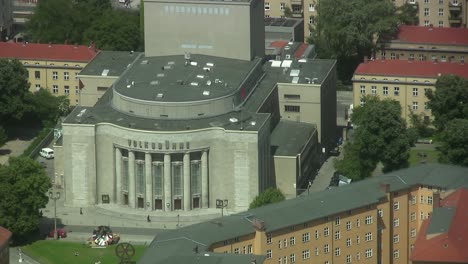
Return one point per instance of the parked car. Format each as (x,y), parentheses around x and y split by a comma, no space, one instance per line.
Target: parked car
(61,233)
(47,153)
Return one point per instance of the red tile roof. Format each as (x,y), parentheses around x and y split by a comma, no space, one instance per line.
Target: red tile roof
(57,52)
(300,50)
(4,236)
(433,35)
(448,247)
(407,68)
(278,44)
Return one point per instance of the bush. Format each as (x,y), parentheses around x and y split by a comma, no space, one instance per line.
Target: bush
(270,195)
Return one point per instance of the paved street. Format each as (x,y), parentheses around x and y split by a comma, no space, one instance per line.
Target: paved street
(15,257)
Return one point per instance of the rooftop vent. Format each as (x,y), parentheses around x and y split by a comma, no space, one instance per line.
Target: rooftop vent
(295,80)
(208,82)
(207,69)
(105,72)
(290,43)
(286,63)
(160,75)
(167,67)
(233,120)
(314,80)
(206,93)
(287,48)
(171,63)
(253,123)
(144,62)
(159,95)
(294,72)
(81,113)
(154,82)
(210,64)
(180,82)
(200,76)
(194,83)
(193,63)
(276,63)
(302,60)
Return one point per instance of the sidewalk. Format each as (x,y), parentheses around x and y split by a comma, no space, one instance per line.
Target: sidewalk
(323,178)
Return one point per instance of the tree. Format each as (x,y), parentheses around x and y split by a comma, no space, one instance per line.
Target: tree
(3,136)
(47,107)
(270,195)
(454,142)
(407,14)
(23,188)
(380,136)
(115,30)
(449,100)
(420,124)
(14,87)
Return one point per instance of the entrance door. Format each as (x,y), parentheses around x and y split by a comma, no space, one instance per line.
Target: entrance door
(125,199)
(158,204)
(141,202)
(177,204)
(196,202)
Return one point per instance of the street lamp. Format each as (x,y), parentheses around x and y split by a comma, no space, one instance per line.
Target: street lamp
(221,204)
(55,197)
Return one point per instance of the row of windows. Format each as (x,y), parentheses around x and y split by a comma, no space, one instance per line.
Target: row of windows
(66,75)
(422,57)
(197,10)
(385,90)
(422,199)
(283,5)
(51,64)
(414,106)
(245,250)
(55,89)
(326,249)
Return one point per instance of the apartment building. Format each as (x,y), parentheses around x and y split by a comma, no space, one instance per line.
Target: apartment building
(403,81)
(376,220)
(426,44)
(440,13)
(51,66)
(6,19)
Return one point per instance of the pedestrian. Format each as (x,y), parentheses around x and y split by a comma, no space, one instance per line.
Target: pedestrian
(148,219)
(81,211)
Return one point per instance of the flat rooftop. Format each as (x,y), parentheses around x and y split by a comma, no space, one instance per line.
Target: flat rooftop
(290,137)
(300,71)
(282,22)
(109,63)
(177,79)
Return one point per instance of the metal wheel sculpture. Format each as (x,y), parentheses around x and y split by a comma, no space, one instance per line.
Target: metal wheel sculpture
(125,251)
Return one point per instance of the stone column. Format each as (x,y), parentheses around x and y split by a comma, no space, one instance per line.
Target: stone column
(131,179)
(149,182)
(118,176)
(204,179)
(167,183)
(187,198)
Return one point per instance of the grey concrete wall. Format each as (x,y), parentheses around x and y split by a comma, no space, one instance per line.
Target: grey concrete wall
(90,94)
(286,173)
(79,164)
(58,163)
(327,135)
(214,28)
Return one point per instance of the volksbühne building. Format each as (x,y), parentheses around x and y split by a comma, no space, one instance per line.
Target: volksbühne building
(376,220)
(51,66)
(403,81)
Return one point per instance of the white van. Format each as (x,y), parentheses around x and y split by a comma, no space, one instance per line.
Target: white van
(47,153)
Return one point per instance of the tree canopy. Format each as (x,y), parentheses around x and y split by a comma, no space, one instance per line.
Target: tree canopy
(83,22)
(47,108)
(380,136)
(449,100)
(14,88)
(270,195)
(23,188)
(454,143)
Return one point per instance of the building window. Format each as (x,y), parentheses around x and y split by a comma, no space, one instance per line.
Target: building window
(411,56)
(413,232)
(316,251)
(396,222)
(396,239)
(369,253)
(415,106)
(292,241)
(37,75)
(348,225)
(415,92)
(373,89)
(426,1)
(413,199)
(441,12)
(363,89)
(396,91)
(396,254)
(337,251)
(306,254)
(348,259)
(358,256)
(421,199)
(279,244)
(292,108)
(429,200)
(385,90)
(421,215)
(421,57)
(369,220)
(426,23)
(441,2)
(312,7)
(358,240)
(337,221)
(382,55)
(282,6)
(292,96)
(38,87)
(380,212)
(368,236)
(268,239)
(348,242)
(55,89)
(392,56)
(236,251)
(443,58)
(77,90)
(66,76)
(55,75)
(317,234)
(285,243)
(325,231)
(337,235)
(462,59)
(413,216)
(311,20)
(305,237)
(396,206)
(326,248)
(66,89)
(267,6)
(426,11)
(269,254)
(292,258)
(358,222)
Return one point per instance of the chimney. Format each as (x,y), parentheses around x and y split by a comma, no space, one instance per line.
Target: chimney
(436,200)
(385,187)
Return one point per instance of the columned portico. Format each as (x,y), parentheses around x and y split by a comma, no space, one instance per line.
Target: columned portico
(167,183)
(118,176)
(204,179)
(149,182)
(131,179)
(187,205)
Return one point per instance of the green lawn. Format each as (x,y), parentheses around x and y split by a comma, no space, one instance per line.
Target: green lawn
(52,252)
(431,156)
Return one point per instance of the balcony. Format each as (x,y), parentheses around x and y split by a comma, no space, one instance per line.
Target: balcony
(296,2)
(454,21)
(297,14)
